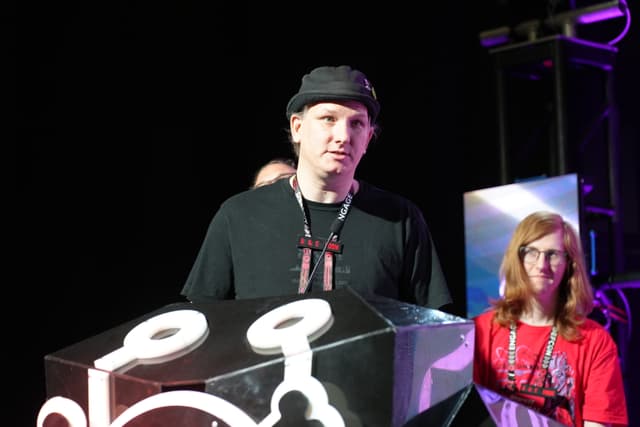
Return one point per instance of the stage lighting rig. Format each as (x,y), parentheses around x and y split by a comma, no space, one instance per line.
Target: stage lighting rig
(566,21)
(561,23)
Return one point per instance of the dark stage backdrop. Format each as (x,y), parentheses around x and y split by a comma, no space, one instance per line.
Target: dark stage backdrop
(135,122)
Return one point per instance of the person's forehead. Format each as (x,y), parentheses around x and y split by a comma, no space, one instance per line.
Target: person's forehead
(340,105)
(555,237)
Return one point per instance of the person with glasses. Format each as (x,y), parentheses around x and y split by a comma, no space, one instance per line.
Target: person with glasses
(536,344)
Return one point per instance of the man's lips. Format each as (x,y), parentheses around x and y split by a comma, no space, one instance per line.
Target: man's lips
(340,154)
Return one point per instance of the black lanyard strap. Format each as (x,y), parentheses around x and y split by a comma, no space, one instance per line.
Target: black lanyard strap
(540,387)
(306,274)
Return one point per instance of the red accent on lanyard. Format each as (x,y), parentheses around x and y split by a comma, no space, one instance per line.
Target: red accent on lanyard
(318,244)
(304,270)
(327,279)
(308,243)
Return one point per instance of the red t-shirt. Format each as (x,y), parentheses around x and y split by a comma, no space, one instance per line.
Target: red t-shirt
(585,375)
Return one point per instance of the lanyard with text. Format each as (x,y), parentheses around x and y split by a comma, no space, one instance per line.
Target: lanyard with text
(539,389)
(307,243)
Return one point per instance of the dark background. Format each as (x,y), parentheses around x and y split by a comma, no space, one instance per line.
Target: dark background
(134,122)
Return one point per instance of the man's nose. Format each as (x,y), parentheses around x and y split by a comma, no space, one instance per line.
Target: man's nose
(341,132)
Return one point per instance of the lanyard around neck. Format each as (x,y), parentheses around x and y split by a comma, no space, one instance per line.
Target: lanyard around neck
(306,274)
(511,372)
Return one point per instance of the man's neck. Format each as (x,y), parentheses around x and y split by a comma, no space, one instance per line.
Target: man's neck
(319,190)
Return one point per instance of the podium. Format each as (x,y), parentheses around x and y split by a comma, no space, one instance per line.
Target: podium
(326,358)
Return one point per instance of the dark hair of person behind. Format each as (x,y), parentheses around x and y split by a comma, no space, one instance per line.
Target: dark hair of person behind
(276,160)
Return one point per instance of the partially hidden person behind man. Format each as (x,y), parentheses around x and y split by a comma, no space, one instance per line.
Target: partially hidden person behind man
(322,229)
(536,345)
(273,170)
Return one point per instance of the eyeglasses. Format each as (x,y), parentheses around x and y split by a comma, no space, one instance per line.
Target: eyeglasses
(531,255)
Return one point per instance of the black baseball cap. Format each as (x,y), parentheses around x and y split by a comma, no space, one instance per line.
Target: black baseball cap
(341,83)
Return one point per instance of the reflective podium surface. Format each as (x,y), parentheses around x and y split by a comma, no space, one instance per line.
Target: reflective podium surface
(327,358)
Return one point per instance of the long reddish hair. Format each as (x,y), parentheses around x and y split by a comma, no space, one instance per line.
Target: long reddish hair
(575,296)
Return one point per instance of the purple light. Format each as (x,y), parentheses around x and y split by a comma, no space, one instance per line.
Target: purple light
(626,28)
(599,15)
(494,41)
(619,288)
(601,211)
(631,284)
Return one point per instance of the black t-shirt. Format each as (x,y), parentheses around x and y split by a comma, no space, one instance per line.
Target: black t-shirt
(251,248)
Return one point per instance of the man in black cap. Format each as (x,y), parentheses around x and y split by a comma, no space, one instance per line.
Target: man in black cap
(321,229)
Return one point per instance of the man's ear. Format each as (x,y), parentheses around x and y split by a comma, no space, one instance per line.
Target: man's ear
(294,125)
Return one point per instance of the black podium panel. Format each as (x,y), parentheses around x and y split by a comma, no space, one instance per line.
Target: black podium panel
(331,358)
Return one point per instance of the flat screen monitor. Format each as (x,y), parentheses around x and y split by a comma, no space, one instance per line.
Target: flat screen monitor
(490,217)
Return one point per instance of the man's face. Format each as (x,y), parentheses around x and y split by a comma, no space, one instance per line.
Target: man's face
(333,136)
